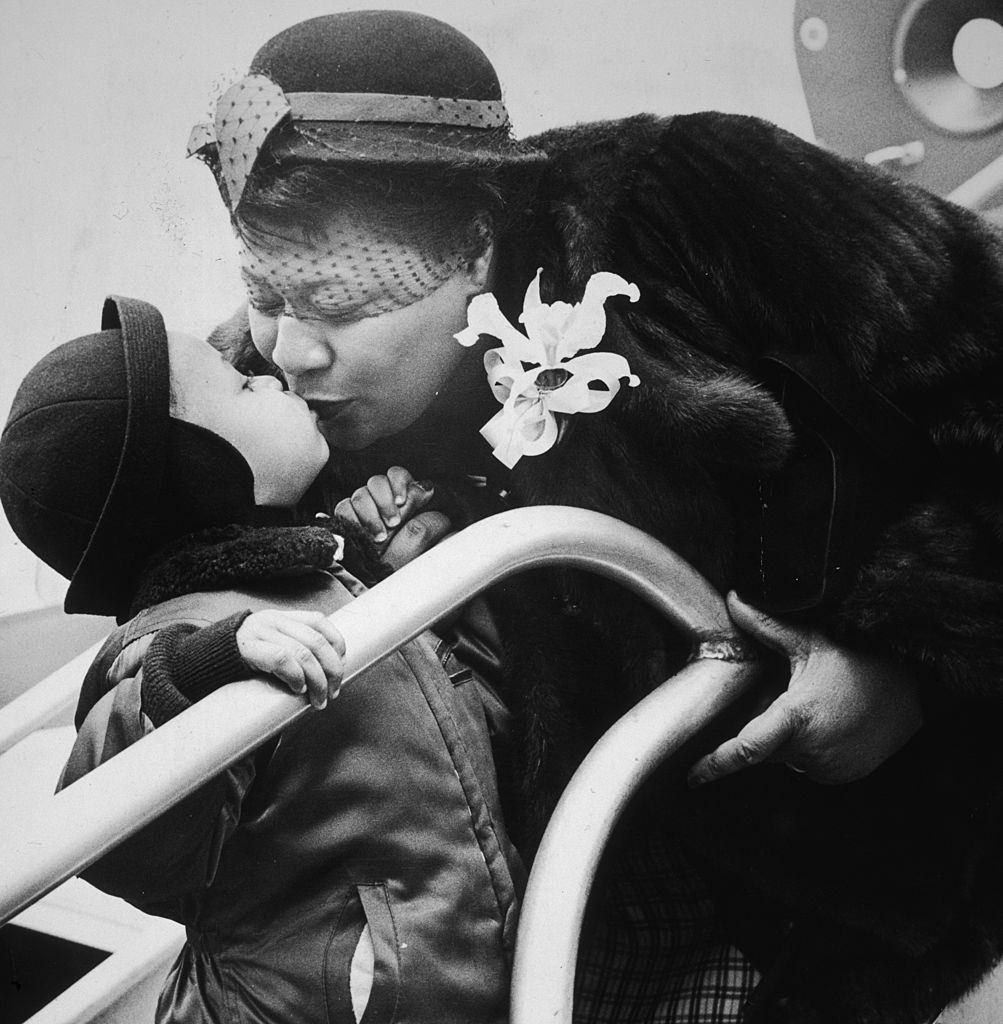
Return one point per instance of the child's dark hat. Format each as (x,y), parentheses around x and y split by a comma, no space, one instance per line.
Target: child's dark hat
(364,87)
(102,402)
(94,471)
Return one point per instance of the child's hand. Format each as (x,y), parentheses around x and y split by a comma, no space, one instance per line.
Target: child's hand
(385,503)
(301,649)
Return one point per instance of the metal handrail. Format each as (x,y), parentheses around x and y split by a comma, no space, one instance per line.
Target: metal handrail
(553,909)
(82,822)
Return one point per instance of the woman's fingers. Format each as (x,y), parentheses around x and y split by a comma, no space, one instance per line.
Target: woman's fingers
(416,536)
(758,741)
(778,636)
(418,494)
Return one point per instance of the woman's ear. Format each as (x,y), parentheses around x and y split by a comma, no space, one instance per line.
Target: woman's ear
(482,249)
(479,268)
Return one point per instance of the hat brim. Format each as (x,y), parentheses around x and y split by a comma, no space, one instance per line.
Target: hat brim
(416,145)
(103,580)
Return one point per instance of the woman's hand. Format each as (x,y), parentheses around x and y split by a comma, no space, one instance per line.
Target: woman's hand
(388,508)
(842,715)
(301,649)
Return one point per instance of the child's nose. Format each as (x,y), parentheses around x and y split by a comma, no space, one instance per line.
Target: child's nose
(266,382)
(300,348)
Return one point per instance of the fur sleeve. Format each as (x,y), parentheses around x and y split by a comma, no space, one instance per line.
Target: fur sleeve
(744,239)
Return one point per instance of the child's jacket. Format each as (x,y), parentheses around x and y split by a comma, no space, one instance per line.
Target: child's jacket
(353,868)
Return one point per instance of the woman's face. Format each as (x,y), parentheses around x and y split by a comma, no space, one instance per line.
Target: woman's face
(367,350)
(272,428)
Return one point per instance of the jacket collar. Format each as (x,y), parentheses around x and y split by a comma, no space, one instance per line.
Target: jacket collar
(228,556)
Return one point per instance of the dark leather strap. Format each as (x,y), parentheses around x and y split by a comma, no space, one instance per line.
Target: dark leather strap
(857,461)
(882,427)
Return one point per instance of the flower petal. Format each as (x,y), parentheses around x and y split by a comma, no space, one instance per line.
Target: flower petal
(607,366)
(506,445)
(577,396)
(548,435)
(545,325)
(586,327)
(502,372)
(484,317)
(532,297)
(558,382)
(524,426)
(574,396)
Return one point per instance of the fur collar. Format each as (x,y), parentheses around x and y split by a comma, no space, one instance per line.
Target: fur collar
(228,556)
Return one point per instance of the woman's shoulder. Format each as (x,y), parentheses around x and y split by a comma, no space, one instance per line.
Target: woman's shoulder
(593,154)
(623,141)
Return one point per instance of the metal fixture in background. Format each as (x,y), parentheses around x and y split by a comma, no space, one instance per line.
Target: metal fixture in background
(915,86)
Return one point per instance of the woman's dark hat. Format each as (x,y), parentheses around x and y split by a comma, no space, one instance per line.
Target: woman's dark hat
(363,87)
(94,472)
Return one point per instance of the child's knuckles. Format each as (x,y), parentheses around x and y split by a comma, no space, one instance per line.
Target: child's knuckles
(333,639)
(303,655)
(288,659)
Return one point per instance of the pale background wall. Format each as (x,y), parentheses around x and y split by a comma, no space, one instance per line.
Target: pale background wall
(98,97)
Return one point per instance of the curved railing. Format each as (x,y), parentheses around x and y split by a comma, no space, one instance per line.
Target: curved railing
(564,868)
(79,824)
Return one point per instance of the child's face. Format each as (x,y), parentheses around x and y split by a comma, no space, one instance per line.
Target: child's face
(369,368)
(273,429)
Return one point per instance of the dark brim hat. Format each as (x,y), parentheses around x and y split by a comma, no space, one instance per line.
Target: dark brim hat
(363,87)
(95,475)
(84,446)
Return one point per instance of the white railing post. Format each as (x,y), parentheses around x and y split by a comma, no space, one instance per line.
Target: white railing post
(553,908)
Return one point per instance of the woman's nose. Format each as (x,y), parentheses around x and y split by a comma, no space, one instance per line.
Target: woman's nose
(300,347)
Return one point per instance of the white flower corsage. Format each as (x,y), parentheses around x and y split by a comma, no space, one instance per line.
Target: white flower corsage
(558,381)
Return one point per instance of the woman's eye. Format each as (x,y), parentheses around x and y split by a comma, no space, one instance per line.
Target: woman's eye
(271,307)
(264,300)
(343,313)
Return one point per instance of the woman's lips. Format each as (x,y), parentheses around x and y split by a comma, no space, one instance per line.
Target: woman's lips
(327,409)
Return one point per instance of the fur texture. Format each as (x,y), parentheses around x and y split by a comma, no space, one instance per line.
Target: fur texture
(223,557)
(742,240)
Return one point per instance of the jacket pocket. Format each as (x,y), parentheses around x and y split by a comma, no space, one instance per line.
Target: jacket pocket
(362,962)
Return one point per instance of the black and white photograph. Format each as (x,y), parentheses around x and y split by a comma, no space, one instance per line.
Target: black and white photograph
(501,512)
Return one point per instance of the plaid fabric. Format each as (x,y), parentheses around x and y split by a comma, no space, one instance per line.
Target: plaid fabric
(651,952)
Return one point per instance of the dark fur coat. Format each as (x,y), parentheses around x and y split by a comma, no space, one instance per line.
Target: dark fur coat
(873,902)
(743,241)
